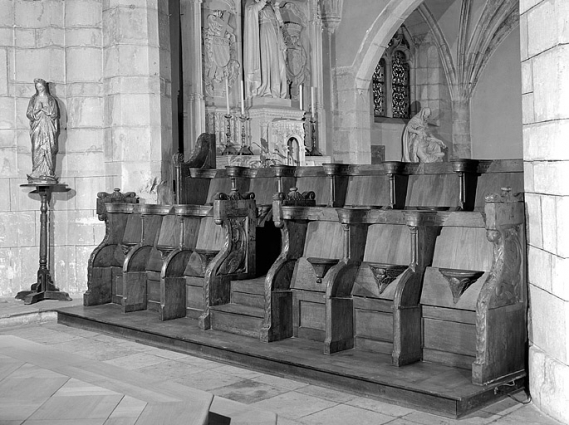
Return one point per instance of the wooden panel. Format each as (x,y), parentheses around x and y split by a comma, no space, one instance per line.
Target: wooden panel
(249,286)
(463,248)
(153,290)
(219,185)
(191,227)
(312,315)
(194,297)
(135,297)
(169,231)
(133,231)
(264,189)
(388,243)
(365,344)
(194,190)
(239,324)
(312,334)
(368,190)
(153,306)
(248,299)
(374,325)
(489,183)
(117,281)
(323,240)
(211,236)
(373,304)
(154,261)
(194,281)
(435,190)
(319,185)
(450,314)
(449,359)
(452,337)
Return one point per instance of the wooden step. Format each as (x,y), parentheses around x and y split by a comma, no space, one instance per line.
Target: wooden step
(251,300)
(249,286)
(237,319)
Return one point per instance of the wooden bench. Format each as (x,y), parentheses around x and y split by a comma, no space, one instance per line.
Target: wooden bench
(474,301)
(119,212)
(143,264)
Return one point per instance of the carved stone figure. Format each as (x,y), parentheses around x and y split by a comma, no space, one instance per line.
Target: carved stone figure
(43,113)
(220,51)
(418,144)
(264,50)
(296,58)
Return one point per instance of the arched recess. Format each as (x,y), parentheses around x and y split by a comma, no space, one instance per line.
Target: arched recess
(356,81)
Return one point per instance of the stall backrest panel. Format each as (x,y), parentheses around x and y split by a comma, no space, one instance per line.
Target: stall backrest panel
(433,190)
(324,240)
(211,235)
(368,190)
(489,183)
(388,243)
(463,248)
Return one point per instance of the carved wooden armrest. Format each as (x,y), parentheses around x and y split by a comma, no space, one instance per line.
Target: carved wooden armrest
(199,260)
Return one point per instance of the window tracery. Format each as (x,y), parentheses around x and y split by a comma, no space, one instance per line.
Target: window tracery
(391,83)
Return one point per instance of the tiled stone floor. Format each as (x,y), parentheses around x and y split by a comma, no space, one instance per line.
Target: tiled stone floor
(294,401)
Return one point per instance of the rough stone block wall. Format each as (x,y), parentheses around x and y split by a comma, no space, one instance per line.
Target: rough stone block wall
(59,41)
(545,87)
(107,63)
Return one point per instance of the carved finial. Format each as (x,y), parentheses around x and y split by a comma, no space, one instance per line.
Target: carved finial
(294,197)
(115,197)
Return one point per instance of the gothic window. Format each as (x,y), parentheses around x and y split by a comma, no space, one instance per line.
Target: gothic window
(379,89)
(391,80)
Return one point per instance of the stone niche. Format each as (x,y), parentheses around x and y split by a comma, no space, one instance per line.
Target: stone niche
(273,122)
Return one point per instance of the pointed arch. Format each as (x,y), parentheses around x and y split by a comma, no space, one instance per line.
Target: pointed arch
(372,47)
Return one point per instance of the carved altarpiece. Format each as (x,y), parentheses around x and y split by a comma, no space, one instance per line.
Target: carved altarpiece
(262,127)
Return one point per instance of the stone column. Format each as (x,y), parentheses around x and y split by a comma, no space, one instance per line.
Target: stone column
(461,143)
(352,119)
(545,87)
(193,94)
(316,32)
(137,108)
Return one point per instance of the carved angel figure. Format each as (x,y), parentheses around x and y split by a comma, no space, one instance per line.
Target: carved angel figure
(43,113)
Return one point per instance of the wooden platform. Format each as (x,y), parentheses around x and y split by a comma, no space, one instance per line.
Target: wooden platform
(426,386)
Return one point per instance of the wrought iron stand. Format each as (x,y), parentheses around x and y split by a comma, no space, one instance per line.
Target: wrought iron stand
(44,289)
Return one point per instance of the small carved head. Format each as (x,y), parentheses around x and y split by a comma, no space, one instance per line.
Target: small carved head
(41,85)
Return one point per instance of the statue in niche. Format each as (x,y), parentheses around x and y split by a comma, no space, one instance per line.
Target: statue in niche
(43,113)
(264,50)
(418,144)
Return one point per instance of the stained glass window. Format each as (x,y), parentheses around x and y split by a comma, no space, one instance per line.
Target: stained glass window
(400,85)
(378,82)
(391,80)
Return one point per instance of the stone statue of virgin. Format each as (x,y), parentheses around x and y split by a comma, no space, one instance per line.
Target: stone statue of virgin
(43,113)
(264,50)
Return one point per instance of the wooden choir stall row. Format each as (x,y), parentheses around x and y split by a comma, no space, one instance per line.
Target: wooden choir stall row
(419,261)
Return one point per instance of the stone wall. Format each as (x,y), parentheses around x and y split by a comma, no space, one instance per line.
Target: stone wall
(545,88)
(107,63)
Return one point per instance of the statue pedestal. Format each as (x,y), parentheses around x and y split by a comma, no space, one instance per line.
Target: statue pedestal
(44,289)
(273,123)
